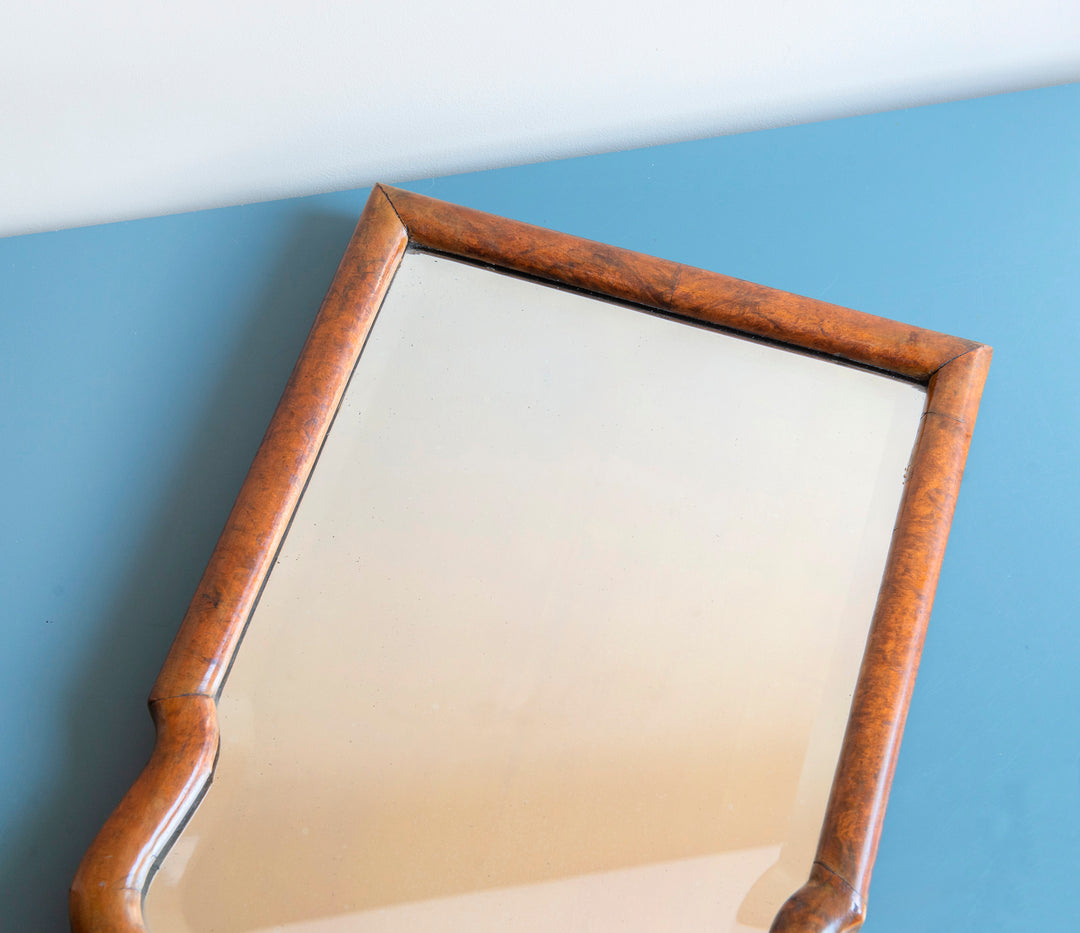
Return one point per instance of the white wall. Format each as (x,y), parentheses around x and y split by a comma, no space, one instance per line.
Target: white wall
(123,109)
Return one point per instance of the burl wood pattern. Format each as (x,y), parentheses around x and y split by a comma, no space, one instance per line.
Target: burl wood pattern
(106,895)
(107,892)
(853,819)
(212,627)
(676,289)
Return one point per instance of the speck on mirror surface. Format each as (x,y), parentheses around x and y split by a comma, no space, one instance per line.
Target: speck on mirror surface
(563,635)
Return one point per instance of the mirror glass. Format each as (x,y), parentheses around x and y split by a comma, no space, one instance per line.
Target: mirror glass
(564,632)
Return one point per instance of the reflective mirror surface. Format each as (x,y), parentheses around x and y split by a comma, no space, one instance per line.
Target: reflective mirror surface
(563,634)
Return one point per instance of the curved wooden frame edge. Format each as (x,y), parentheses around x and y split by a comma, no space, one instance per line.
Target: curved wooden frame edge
(108,888)
(106,895)
(139,832)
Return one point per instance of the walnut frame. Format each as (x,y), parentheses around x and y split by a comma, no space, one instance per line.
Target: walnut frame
(108,889)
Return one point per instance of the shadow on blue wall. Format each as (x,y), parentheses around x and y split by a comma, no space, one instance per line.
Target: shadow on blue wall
(107,737)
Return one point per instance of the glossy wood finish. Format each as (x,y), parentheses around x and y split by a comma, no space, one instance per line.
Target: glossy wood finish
(852,828)
(107,891)
(211,630)
(677,289)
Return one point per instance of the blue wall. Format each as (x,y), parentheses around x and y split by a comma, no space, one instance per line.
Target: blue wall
(140,363)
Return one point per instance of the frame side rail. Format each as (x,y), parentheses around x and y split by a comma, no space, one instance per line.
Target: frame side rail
(211,630)
(834,899)
(756,310)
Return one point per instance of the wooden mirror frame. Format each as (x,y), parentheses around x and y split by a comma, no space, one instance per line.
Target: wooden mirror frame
(108,889)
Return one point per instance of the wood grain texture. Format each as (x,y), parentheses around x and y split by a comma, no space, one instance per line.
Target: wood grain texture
(676,289)
(106,895)
(210,631)
(107,892)
(825,904)
(852,828)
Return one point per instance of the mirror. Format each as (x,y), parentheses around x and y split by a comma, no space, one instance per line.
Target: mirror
(563,632)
